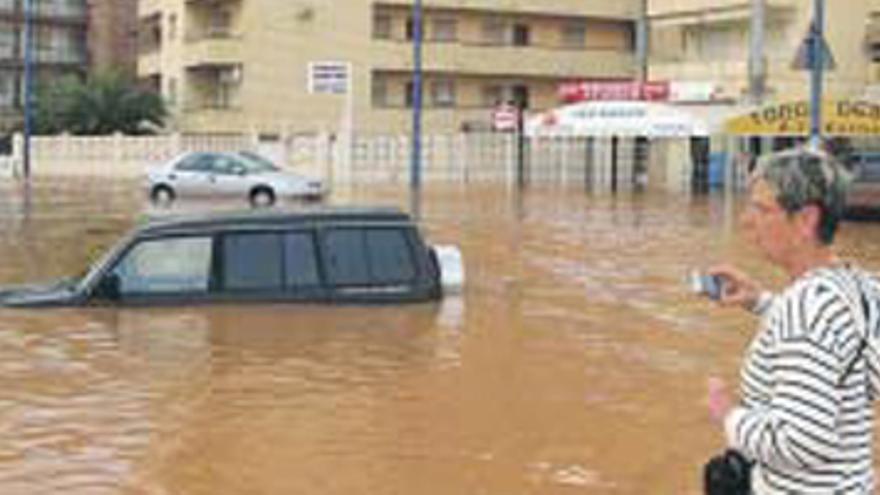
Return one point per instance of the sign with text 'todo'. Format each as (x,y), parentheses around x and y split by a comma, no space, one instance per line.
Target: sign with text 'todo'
(839,118)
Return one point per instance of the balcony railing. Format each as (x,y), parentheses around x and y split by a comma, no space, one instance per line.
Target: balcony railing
(60,10)
(214,49)
(512,60)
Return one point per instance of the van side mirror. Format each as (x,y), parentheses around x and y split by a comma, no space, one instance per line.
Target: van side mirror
(108,288)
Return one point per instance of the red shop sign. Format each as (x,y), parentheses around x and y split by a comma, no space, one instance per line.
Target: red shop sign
(574,91)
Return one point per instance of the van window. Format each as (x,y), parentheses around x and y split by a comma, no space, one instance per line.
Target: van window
(168,265)
(390,258)
(379,256)
(869,168)
(346,259)
(300,261)
(252,262)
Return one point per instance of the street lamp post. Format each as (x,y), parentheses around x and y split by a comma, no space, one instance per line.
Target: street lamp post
(817,47)
(757,66)
(416,158)
(28,86)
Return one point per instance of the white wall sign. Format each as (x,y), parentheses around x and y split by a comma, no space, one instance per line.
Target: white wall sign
(329,77)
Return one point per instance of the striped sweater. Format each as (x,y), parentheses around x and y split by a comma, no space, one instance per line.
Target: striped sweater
(806,415)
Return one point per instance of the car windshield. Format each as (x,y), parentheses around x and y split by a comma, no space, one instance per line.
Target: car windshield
(256,163)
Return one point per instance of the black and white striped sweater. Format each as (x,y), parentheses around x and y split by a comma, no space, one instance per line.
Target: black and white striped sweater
(806,415)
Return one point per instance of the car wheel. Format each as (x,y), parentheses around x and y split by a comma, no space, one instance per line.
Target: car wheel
(262,198)
(162,195)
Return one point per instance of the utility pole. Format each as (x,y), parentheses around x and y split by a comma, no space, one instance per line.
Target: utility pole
(817,42)
(757,65)
(642,42)
(28,86)
(417,87)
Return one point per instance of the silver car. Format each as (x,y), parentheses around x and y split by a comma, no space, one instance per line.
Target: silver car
(240,174)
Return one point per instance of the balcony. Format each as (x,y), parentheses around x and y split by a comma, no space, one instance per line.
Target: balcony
(688,12)
(508,60)
(213,49)
(872,38)
(206,118)
(149,8)
(149,64)
(60,57)
(622,9)
(874,73)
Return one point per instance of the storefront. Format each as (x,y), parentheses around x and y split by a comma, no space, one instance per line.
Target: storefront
(631,143)
(848,125)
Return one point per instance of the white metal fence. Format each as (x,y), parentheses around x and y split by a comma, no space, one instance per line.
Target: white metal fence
(601,163)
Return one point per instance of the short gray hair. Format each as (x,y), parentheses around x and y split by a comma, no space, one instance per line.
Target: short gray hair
(803,177)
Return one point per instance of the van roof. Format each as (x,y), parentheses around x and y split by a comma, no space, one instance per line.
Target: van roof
(271,218)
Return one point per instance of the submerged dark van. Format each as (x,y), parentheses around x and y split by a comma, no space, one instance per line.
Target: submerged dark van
(320,256)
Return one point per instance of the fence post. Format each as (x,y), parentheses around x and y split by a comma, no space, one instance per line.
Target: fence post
(17,154)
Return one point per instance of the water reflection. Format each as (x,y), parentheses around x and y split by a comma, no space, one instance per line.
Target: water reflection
(574,360)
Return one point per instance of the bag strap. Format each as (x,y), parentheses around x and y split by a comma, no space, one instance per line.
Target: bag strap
(865,331)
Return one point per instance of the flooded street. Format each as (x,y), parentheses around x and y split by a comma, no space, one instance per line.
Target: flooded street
(574,362)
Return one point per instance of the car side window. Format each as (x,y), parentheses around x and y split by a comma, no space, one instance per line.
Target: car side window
(390,257)
(378,256)
(252,262)
(300,261)
(197,162)
(346,257)
(870,169)
(227,165)
(167,265)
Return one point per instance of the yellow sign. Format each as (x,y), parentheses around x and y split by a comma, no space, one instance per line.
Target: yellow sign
(839,118)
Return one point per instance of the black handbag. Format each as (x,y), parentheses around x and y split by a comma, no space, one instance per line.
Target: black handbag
(728,474)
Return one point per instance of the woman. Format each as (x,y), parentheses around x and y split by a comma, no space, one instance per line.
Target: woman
(808,379)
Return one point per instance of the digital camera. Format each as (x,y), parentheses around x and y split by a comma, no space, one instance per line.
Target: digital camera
(711,286)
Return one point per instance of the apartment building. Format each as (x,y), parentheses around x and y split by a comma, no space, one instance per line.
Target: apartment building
(59,48)
(112,36)
(269,65)
(708,40)
(71,37)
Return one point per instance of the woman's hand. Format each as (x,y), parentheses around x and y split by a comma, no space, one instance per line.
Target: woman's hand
(738,289)
(718,399)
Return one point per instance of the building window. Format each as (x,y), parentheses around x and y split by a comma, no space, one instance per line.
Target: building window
(7,89)
(382,26)
(444,29)
(443,93)
(172,91)
(574,34)
(380,91)
(494,31)
(520,93)
(408,97)
(7,41)
(493,95)
(172,26)
(411,29)
(220,23)
(522,35)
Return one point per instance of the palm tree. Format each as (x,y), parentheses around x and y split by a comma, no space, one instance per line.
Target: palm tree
(103,104)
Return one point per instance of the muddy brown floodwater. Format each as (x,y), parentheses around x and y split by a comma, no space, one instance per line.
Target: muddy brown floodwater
(574,362)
